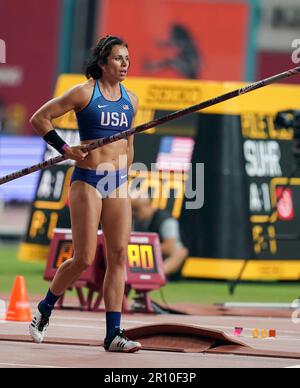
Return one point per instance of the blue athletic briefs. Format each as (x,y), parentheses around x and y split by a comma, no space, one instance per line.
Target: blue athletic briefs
(106,182)
(103,118)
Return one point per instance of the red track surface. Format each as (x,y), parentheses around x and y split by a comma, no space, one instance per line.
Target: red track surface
(91,326)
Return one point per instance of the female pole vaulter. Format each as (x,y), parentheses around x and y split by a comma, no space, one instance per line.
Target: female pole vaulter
(103,108)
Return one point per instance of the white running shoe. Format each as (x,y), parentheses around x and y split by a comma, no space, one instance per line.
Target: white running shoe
(122,344)
(38,327)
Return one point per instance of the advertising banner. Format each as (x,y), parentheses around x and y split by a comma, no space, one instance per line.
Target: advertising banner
(181,39)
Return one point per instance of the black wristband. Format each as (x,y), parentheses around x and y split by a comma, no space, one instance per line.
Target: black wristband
(53,139)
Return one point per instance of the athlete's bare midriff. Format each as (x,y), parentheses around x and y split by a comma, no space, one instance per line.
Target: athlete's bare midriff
(111,157)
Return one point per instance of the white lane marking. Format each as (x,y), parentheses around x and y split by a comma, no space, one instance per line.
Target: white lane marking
(77,326)
(156,322)
(102,320)
(281,334)
(30,365)
(293,367)
(85,320)
(125,321)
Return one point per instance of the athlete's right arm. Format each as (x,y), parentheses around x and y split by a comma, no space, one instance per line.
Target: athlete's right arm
(42,119)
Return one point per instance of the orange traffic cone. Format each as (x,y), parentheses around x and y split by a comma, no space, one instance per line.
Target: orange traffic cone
(19,309)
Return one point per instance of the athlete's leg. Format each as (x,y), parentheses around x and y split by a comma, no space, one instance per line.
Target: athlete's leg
(116,223)
(85,206)
(85,209)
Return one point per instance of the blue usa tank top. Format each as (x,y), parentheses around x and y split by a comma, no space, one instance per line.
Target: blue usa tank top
(103,118)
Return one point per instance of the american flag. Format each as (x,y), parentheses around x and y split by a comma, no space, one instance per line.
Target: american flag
(175,154)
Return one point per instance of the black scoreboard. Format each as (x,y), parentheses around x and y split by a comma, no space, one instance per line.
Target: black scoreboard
(269,162)
(247,165)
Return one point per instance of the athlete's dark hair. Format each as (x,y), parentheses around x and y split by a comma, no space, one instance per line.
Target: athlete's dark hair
(99,55)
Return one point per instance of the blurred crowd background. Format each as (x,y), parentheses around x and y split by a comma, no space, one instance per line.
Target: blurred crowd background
(205,40)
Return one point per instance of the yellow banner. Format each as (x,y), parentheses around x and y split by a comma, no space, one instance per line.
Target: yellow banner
(228,269)
(164,94)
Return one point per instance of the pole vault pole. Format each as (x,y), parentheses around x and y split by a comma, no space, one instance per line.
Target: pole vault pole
(155,123)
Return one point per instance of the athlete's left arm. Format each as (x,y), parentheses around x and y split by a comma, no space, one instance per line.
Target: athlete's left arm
(130,147)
